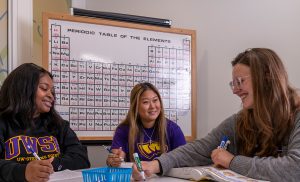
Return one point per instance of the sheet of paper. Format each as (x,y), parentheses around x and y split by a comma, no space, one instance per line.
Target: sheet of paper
(66,175)
(126,164)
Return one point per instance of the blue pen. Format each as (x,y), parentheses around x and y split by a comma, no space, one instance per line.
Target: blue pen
(107,148)
(109,151)
(223,142)
(33,152)
(226,144)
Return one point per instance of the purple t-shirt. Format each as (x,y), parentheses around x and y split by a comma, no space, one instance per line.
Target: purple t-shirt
(148,150)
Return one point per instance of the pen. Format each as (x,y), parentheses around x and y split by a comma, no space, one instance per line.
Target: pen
(224,142)
(107,148)
(33,152)
(139,165)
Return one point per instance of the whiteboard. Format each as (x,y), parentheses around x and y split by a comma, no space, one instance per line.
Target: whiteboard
(96,63)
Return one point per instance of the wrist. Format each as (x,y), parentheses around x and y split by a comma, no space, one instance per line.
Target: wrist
(107,162)
(230,162)
(157,167)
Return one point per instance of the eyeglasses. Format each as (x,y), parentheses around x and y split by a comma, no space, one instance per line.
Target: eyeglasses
(237,82)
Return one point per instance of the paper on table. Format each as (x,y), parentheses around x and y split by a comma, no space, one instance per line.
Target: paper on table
(64,175)
(126,164)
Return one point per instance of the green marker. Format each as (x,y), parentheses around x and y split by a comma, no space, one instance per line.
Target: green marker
(139,165)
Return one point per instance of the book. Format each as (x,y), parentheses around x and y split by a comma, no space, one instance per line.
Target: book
(209,173)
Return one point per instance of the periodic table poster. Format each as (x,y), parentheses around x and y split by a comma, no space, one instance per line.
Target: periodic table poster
(95,64)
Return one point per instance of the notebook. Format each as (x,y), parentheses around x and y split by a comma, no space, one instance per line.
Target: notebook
(209,173)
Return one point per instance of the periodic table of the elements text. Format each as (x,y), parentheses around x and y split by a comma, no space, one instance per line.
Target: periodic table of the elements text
(94,94)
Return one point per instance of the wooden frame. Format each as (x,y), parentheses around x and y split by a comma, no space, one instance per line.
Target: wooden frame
(4,41)
(96,62)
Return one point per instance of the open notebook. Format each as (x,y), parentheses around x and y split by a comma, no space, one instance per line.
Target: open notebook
(208,172)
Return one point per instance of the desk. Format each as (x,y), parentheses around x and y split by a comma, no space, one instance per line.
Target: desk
(164,179)
(76,176)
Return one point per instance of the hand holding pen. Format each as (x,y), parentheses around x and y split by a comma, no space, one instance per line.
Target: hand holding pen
(220,156)
(38,170)
(115,156)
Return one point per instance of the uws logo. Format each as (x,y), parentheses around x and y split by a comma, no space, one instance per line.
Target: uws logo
(45,144)
(150,150)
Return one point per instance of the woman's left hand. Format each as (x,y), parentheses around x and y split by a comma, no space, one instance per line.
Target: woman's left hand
(221,157)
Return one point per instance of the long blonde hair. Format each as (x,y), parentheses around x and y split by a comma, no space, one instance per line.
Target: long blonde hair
(133,119)
(264,128)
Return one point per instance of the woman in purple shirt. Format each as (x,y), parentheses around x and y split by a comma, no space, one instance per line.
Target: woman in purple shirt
(145,130)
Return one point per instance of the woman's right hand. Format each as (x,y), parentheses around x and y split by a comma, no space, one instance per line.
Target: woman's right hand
(39,170)
(115,158)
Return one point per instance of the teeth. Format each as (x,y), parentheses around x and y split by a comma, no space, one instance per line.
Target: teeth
(243,97)
(49,104)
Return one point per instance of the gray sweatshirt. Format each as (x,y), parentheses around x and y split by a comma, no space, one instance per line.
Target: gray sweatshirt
(197,153)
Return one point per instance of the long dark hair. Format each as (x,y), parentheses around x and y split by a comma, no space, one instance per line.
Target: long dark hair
(17,97)
(265,128)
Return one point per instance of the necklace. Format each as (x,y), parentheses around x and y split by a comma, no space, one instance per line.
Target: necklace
(150,137)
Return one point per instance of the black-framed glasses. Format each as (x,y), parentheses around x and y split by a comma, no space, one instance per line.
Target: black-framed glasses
(237,82)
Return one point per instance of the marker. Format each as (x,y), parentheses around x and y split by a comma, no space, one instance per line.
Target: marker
(139,165)
(33,152)
(223,142)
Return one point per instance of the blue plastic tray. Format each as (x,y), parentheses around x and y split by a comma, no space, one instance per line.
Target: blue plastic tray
(107,174)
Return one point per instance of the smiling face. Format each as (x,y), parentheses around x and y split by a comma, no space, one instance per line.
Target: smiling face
(241,76)
(44,99)
(149,108)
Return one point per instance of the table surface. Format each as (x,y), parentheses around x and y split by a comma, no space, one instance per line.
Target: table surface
(76,176)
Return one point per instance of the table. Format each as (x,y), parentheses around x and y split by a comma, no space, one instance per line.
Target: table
(76,176)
